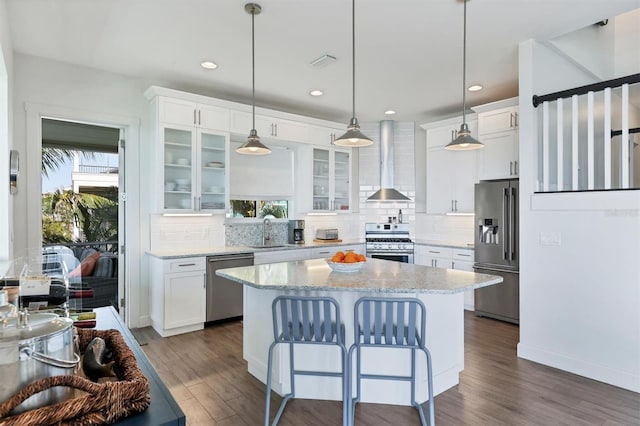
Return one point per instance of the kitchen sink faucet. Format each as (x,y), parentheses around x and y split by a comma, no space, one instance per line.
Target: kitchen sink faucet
(266,231)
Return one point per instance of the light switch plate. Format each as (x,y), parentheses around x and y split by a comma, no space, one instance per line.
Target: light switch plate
(550,238)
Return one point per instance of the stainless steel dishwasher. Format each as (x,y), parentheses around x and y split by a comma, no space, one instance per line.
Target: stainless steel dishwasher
(224,297)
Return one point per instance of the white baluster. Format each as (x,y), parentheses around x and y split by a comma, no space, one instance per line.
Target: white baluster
(590,143)
(545,146)
(607,138)
(575,180)
(560,144)
(624,141)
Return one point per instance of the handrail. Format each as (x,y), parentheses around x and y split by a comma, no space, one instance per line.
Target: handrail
(595,87)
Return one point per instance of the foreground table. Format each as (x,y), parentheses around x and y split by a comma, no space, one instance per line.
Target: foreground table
(164,410)
(441,290)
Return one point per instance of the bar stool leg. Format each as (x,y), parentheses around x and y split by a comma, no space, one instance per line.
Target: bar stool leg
(268,399)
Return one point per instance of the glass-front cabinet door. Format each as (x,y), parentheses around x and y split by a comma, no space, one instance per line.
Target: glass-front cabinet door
(341,181)
(178,168)
(213,164)
(321,187)
(194,169)
(331,180)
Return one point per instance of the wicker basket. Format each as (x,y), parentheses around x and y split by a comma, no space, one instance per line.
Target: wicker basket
(100,403)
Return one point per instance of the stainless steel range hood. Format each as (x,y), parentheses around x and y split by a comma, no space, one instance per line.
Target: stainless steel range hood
(386,191)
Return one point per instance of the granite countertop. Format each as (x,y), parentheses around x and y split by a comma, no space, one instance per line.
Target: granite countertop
(375,276)
(440,243)
(219,250)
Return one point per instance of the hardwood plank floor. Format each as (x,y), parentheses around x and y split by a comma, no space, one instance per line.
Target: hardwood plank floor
(206,374)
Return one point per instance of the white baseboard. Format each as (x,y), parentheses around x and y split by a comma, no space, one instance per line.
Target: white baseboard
(623,379)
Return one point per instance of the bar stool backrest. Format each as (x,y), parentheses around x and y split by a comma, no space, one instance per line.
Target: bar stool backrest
(306,319)
(389,321)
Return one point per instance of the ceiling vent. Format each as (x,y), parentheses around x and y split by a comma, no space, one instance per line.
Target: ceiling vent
(323,61)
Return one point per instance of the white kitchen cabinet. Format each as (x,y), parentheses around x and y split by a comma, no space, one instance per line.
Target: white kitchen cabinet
(327,252)
(182,112)
(463,260)
(269,127)
(271,256)
(451,175)
(331,182)
(499,120)
(437,257)
(320,135)
(498,131)
(178,294)
(193,173)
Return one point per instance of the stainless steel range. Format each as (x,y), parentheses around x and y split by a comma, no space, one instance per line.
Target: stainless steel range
(389,241)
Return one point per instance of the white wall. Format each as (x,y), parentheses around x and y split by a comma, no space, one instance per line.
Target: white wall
(92,95)
(6,127)
(580,299)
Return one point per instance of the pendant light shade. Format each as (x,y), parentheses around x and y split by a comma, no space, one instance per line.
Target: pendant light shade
(353,137)
(253,146)
(464,141)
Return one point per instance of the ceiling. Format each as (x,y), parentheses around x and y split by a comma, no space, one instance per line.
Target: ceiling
(408,52)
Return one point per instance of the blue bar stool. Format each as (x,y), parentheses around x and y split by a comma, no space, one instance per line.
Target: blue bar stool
(312,321)
(390,323)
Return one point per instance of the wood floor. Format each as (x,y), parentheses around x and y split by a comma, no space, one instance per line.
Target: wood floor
(206,374)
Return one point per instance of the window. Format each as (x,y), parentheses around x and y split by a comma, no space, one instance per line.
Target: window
(278,209)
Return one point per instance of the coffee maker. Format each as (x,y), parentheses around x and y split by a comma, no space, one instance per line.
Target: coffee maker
(296,232)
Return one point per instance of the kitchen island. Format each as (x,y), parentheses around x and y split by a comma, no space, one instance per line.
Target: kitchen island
(441,290)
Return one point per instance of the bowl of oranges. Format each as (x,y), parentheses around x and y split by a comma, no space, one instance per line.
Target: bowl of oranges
(346,262)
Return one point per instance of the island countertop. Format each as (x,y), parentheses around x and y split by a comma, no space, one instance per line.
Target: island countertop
(375,276)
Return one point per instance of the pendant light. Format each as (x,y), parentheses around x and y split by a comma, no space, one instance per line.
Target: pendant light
(353,137)
(253,146)
(463,140)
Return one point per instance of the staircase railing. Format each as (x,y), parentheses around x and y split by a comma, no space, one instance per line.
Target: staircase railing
(579,149)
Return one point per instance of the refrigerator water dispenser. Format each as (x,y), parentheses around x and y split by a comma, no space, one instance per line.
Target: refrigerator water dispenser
(488,232)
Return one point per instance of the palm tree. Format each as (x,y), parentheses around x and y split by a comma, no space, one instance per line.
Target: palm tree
(53,158)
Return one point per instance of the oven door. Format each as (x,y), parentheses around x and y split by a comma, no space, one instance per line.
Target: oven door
(404,257)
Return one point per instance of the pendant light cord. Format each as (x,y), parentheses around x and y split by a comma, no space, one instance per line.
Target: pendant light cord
(464,65)
(353,56)
(253,70)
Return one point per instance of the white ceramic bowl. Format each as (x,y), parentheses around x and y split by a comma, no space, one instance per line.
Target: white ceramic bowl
(345,267)
(182,181)
(182,161)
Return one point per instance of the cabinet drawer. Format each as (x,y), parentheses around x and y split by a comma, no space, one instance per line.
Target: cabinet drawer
(324,252)
(185,264)
(436,251)
(463,254)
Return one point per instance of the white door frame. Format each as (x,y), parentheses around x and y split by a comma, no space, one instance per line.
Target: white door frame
(129,269)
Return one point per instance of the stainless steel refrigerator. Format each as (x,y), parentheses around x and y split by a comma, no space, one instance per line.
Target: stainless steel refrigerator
(496,248)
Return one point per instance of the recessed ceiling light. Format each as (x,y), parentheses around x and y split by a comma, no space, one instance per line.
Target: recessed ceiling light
(475,87)
(316,92)
(208,65)
(389,112)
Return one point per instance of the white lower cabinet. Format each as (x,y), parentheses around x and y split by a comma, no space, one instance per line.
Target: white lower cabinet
(178,294)
(327,252)
(262,257)
(449,258)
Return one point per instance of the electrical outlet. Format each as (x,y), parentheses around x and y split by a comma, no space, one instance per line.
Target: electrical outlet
(550,238)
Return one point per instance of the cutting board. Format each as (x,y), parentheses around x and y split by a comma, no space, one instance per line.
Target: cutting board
(337,240)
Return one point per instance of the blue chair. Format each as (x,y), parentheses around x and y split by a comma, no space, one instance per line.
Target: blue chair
(390,323)
(311,321)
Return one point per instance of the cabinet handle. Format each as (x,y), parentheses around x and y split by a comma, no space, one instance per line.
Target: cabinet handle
(204,282)
(515,167)
(453,265)
(510,168)
(517,118)
(511,120)
(464,255)
(186,264)
(199,117)
(436,252)
(194,116)
(456,204)
(276,127)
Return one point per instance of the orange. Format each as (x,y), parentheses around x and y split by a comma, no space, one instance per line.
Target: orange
(350,257)
(361,258)
(336,258)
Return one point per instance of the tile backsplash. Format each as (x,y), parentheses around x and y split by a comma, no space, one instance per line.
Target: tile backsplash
(249,233)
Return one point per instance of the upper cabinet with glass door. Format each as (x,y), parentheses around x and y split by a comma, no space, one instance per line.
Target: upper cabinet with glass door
(194,171)
(331,180)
